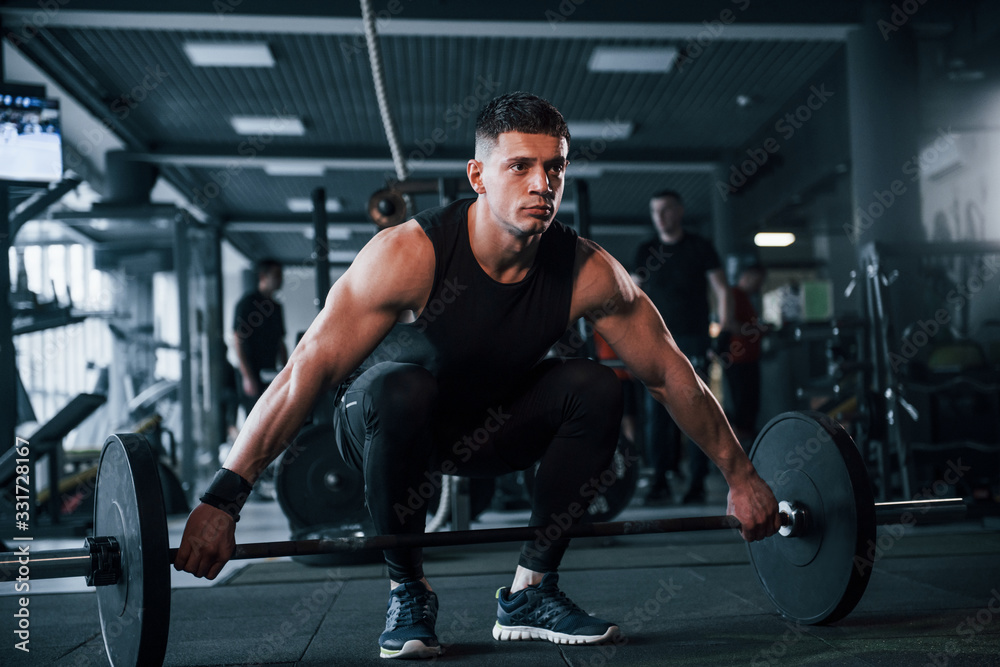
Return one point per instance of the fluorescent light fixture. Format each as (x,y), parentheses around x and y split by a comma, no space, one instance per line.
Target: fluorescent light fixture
(287,126)
(229,54)
(305,205)
(333,233)
(294,169)
(773,239)
(609,130)
(651,60)
(585,170)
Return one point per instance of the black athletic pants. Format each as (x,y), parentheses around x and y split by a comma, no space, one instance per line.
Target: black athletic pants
(565,415)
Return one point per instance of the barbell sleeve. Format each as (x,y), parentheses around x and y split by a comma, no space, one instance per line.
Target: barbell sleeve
(45,564)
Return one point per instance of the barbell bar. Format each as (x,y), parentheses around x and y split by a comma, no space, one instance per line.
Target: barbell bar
(84,561)
(814,571)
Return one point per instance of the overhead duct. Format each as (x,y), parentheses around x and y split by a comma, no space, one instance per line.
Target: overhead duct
(125,226)
(128,182)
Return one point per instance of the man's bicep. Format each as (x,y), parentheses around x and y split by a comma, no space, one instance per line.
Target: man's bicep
(387,278)
(639,337)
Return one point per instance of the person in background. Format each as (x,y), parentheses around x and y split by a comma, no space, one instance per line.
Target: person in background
(259,333)
(741,361)
(675,269)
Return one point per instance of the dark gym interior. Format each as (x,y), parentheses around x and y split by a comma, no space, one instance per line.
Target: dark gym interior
(152,156)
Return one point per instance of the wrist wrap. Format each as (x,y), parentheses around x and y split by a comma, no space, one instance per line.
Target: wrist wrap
(227,492)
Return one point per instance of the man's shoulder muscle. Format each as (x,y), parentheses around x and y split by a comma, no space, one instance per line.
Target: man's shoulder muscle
(398,263)
(600,280)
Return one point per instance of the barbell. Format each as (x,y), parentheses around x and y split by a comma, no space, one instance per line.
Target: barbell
(814,571)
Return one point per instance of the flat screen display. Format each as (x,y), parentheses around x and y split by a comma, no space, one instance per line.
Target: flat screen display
(30,139)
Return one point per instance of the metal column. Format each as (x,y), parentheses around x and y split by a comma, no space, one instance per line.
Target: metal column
(321,246)
(181,262)
(8,362)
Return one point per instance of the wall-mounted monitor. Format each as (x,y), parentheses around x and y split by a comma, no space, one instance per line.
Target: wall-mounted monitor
(30,138)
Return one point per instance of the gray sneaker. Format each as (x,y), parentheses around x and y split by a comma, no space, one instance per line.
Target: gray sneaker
(544,612)
(409,623)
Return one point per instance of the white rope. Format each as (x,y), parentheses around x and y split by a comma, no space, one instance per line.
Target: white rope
(444,506)
(378,78)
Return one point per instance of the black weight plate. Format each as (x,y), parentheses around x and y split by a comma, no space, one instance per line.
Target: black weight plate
(128,505)
(314,486)
(809,459)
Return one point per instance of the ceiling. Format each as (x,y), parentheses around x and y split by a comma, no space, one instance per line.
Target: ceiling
(127,67)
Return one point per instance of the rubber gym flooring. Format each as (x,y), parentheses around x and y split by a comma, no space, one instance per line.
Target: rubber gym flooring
(680,599)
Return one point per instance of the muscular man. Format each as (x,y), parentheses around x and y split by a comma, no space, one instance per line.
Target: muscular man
(676,269)
(448,317)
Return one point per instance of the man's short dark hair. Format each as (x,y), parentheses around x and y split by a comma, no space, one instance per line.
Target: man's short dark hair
(662,194)
(264,266)
(517,112)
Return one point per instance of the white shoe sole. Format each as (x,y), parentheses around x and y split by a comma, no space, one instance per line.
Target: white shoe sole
(411,649)
(528,633)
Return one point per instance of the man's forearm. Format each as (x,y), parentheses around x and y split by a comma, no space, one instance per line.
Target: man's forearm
(695,410)
(273,423)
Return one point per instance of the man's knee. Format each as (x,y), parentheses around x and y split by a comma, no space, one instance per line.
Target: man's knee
(596,386)
(405,392)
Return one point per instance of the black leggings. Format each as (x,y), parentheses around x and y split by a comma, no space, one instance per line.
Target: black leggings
(566,415)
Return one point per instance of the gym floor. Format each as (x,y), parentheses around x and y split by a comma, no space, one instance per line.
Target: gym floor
(682,599)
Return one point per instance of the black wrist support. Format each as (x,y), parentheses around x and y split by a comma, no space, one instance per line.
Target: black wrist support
(227,492)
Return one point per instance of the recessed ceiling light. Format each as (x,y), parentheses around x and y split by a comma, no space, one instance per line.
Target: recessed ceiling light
(288,126)
(292,168)
(305,205)
(632,59)
(229,54)
(773,239)
(609,130)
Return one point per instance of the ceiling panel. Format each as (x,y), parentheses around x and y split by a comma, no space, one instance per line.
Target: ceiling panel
(131,69)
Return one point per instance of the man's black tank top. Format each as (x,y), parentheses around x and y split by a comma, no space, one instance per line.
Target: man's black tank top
(477,336)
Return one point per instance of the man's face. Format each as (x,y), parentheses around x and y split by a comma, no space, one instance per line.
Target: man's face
(667,214)
(522,178)
(272,280)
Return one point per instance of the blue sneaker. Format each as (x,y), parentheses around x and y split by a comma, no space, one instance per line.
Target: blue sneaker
(409,623)
(544,612)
